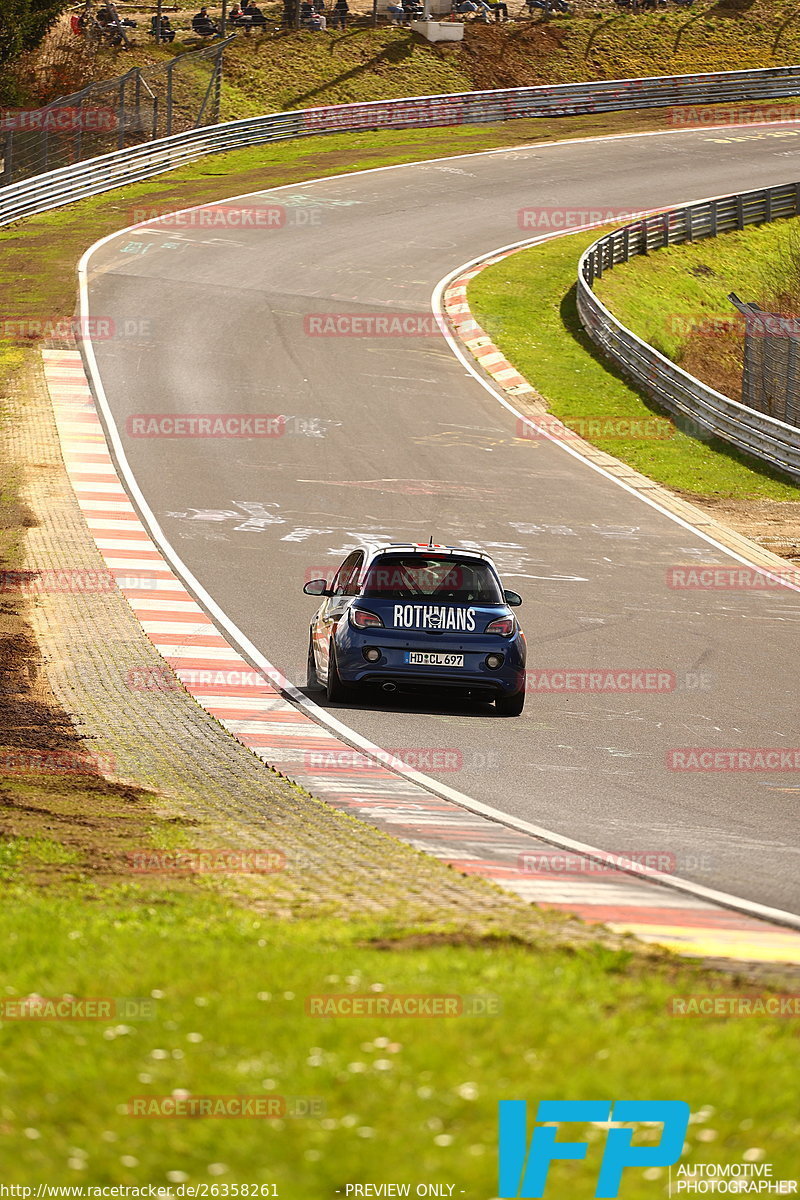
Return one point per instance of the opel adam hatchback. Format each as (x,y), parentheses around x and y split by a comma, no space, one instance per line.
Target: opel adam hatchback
(417,618)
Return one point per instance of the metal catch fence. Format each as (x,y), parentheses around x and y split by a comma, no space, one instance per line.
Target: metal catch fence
(697,407)
(139,106)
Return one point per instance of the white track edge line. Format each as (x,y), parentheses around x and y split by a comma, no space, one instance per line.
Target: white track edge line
(314,711)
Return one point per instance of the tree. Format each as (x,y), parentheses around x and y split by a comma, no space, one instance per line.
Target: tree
(23,24)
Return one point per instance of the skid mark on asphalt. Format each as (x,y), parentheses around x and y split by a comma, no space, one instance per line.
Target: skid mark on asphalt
(251,708)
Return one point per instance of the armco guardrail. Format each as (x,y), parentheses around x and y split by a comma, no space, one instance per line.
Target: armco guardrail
(95,175)
(698,408)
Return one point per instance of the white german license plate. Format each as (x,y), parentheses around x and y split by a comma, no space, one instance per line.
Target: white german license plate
(421,658)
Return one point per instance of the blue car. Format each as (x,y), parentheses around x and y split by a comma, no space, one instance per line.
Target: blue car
(417,618)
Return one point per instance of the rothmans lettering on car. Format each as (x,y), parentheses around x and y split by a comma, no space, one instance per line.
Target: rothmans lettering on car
(433,616)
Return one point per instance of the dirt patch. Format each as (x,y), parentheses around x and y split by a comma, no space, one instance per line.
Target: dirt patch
(773,524)
(427,941)
(503,56)
(51,788)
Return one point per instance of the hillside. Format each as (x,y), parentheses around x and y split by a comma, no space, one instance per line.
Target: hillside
(280,70)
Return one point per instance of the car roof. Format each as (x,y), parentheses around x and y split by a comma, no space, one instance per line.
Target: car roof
(426,548)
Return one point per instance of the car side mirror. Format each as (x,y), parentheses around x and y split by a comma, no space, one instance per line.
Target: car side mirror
(317,587)
(513,599)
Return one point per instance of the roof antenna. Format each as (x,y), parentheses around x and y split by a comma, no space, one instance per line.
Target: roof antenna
(430,542)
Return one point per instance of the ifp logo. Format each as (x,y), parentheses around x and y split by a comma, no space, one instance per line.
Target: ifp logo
(523,1169)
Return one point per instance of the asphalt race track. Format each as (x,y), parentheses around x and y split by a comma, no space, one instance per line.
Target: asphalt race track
(391,439)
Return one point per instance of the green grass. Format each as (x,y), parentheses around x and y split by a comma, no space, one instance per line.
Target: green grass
(559,360)
(304,70)
(405,1099)
(37,851)
(266,74)
(693,282)
(575,1023)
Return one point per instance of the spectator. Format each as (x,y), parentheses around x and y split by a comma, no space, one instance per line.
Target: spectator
(561,6)
(110,25)
(318,5)
(339,14)
(166,34)
(499,8)
(413,10)
(316,22)
(466,6)
(203,25)
(397,13)
(257,18)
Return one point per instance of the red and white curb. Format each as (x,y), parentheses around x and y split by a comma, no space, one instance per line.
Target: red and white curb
(252,708)
(476,339)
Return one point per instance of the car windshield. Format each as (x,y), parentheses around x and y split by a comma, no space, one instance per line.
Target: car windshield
(446,579)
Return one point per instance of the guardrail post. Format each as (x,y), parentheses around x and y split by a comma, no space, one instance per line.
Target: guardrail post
(714,218)
(797,198)
(768,216)
(8,157)
(626,244)
(170,69)
(218,83)
(665,223)
(137,100)
(79,138)
(791,413)
(121,114)
(739,211)
(689,224)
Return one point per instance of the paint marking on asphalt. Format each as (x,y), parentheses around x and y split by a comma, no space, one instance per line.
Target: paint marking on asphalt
(253,706)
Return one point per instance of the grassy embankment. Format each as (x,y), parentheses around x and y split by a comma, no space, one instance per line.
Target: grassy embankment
(580,386)
(577,1019)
